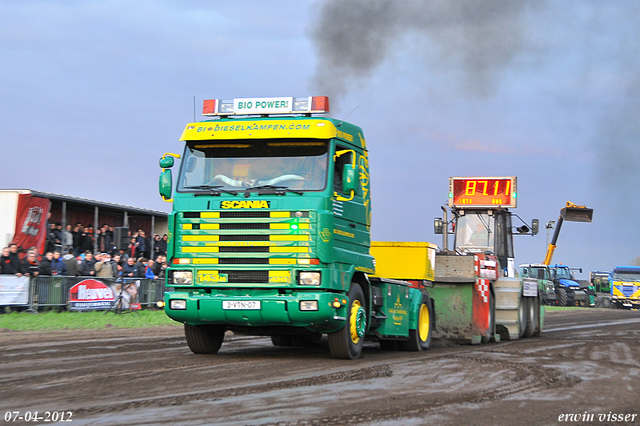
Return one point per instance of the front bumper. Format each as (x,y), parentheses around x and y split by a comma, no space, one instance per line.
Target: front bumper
(275,310)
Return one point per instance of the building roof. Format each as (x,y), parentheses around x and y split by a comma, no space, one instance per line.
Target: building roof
(88,202)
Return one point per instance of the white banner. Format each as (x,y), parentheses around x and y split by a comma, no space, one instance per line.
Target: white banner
(14,290)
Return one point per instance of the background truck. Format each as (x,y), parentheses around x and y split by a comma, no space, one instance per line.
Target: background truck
(625,286)
(477,295)
(270,233)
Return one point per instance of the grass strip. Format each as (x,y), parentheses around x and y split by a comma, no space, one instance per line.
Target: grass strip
(84,320)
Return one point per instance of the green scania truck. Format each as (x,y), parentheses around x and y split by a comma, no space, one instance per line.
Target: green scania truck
(270,233)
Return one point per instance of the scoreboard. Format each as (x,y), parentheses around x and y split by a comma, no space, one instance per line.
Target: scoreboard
(482,192)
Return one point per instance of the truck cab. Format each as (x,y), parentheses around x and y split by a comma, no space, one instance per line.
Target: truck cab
(625,286)
(270,231)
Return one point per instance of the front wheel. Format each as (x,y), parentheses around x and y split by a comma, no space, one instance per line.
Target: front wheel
(562,296)
(347,342)
(204,339)
(420,338)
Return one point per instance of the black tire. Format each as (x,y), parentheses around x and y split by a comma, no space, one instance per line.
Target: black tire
(562,296)
(389,345)
(342,343)
(420,337)
(533,310)
(307,340)
(282,340)
(492,319)
(204,339)
(522,316)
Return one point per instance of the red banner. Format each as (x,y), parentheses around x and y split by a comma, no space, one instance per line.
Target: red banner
(31,222)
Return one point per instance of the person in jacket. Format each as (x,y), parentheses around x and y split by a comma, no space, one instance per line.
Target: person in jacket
(71,263)
(116,266)
(11,263)
(148,272)
(103,266)
(129,270)
(5,260)
(30,265)
(58,267)
(87,266)
(141,267)
(44,268)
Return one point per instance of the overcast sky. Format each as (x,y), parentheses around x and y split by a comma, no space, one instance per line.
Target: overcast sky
(92,93)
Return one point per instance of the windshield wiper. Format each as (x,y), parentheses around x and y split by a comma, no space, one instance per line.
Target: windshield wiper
(279,190)
(211,190)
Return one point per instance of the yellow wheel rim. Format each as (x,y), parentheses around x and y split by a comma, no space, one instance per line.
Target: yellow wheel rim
(358,321)
(424,322)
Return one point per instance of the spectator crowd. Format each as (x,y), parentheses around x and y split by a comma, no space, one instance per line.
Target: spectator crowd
(69,252)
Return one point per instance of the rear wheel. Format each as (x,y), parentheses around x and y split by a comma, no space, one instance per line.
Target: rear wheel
(307,340)
(204,339)
(562,296)
(420,338)
(282,340)
(522,316)
(389,345)
(533,309)
(347,342)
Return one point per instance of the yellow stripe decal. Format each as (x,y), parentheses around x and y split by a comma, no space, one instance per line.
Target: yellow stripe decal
(279,214)
(200,238)
(200,249)
(289,238)
(205,261)
(210,215)
(289,226)
(282,262)
(209,226)
(288,249)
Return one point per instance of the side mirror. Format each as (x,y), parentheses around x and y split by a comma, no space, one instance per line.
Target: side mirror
(165,185)
(166,162)
(535,225)
(437,226)
(349,181)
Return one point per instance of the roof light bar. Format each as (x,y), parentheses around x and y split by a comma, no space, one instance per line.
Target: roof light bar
(262,106)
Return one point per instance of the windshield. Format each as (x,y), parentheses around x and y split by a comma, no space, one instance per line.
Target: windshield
(618,276)
(473,232)
(563,273)
(299,164)
(538,273)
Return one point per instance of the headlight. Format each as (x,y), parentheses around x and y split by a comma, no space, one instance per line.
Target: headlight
(308,278)
(308,305)
(182,277)
(177,304)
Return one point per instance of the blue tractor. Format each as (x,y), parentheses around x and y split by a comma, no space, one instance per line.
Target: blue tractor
(568,290)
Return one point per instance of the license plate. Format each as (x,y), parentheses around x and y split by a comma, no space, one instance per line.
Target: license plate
(241,304)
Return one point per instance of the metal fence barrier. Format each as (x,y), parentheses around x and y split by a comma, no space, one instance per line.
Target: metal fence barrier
(53,291)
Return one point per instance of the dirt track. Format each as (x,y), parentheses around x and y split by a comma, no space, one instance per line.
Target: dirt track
(588,360)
